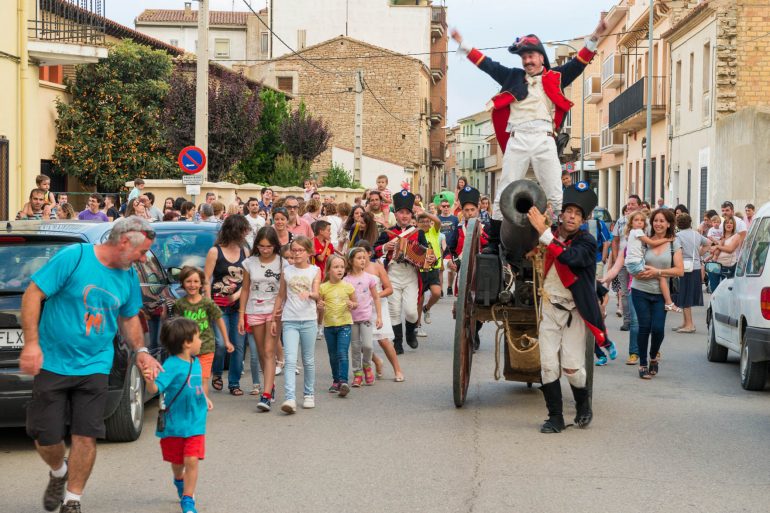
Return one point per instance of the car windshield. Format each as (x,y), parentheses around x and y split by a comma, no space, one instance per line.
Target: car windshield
(21,261)
(179,249)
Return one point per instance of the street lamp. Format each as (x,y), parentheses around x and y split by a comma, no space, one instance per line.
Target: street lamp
(581,176)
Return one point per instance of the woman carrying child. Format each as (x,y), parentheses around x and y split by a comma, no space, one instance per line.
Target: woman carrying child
(295,306)
(369,305)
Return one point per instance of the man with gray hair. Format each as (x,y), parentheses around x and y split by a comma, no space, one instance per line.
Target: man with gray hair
(206,212)
(90,292)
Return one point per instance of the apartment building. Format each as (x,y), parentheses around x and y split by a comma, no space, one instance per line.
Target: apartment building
(472,149)
(407,27)
(236,38)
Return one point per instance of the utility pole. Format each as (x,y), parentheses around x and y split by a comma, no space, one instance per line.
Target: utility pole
(358,126)
(650,84)
(202,83)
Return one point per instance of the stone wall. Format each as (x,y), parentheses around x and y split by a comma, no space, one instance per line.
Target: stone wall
(752,52)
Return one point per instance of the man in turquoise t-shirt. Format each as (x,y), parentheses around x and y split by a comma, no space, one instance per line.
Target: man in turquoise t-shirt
(90,292)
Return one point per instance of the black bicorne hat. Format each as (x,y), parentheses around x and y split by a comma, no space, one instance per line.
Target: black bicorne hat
(469,195)
(582,196)
(530,43)
(403,199)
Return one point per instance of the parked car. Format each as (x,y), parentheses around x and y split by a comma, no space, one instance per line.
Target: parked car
(738,317)
(602,214)
(178,244)
(25,247)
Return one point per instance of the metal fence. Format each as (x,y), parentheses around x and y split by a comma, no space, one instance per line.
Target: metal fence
(69,21)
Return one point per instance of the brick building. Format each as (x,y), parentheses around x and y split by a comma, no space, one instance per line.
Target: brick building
(396,103)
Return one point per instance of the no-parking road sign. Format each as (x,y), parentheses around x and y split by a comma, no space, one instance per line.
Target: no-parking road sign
(191,160)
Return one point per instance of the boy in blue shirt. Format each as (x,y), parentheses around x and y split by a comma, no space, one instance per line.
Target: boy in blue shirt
(182,439)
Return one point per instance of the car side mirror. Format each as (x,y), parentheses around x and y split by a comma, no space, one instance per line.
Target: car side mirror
(174,272)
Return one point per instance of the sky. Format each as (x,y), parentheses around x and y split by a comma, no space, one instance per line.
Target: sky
(482,23)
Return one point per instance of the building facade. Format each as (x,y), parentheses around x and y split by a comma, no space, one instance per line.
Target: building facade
(473,148)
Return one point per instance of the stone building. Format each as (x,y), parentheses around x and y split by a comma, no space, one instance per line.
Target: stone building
(396,104)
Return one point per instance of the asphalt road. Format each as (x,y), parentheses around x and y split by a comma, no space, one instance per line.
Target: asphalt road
(690,440)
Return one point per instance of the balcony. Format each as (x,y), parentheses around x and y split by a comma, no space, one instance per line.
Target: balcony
(437,109)
(477,164)
(437,22)
(612,141)
(437,152)
(491,162)
(628,112)
(592,89)
(592,146)
(612,71)
(67,32)
(437,65)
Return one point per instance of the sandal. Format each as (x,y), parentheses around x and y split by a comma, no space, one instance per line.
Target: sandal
(255,390)
(236,391)
(399,379)
(644,373)
(671,307)
(217,383)
(653,367)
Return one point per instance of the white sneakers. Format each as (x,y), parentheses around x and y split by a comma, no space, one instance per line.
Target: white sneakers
(289,406)
(309,402)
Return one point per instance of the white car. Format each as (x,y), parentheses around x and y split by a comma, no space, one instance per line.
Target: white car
(738,316)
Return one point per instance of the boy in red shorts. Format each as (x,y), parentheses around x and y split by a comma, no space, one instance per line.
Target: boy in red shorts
(184,406)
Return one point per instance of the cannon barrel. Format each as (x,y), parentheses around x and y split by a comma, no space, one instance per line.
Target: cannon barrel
(516,234)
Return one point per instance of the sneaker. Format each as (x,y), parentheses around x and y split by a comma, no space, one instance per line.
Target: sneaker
(426,315)
(601,361)
(369,375)
(179,484)
(625,327)
(633,359)
(613,351)
(334,388)
(289,406)
(278,370)
(421,333)
(188,505)
(309,402)
(74,507)
(344,389)
(264,403)
(296,370)
(449,291)
(54,492)
(358,378)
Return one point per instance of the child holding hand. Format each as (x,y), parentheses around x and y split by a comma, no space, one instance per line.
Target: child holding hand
(184,406)
(368,300)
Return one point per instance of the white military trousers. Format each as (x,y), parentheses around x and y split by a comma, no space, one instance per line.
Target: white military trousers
(403,277)
(531,144)
(562,346)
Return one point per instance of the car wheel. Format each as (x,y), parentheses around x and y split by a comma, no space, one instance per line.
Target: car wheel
(714,352)
(125,424)
(753,374)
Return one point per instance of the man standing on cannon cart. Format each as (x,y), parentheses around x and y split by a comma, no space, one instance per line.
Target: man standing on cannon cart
(569,305)
(528,113)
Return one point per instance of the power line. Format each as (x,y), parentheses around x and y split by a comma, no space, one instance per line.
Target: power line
(366,85)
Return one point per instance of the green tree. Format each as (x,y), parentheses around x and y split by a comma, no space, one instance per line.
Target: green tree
(111,131)
(289,172)
(259,164)
(304,137)
(338,176)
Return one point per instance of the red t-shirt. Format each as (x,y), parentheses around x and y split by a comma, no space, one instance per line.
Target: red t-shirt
(321,254)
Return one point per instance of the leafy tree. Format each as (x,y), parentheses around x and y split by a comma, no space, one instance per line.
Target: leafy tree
(289,172)
(338,176)
(233,120)
(259,164)
(303,136)
(111,132)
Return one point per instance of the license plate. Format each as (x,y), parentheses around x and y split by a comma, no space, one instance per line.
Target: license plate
(11,339)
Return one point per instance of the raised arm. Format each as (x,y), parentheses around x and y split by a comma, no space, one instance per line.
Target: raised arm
(654,243)
(494,69)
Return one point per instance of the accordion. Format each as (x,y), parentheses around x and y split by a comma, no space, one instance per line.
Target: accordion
(409,251)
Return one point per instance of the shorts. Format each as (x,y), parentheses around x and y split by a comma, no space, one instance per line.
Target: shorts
(175,448)
(429,278)
(257,319)
(59,400)
(635,268)
(206,360)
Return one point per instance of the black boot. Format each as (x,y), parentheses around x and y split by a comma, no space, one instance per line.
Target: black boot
(583,407)
(398,337)
(411,334)
(493,241)
(552,394)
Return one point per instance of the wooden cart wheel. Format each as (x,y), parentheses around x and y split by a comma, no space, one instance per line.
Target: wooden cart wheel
(465,322)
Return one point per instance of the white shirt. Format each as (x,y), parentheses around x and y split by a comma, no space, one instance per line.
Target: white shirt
(298,281)
(634,248)
(264,280)
(555,290)
(536,106)
(256,223)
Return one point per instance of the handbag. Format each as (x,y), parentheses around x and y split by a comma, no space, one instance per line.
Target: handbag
(673,282)
(689,266)
(160,425)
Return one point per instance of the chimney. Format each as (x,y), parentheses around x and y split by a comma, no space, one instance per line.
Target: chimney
(187,9)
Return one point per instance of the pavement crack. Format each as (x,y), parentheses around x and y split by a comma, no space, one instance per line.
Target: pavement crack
(476,444)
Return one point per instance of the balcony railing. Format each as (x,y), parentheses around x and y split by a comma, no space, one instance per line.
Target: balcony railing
(627,112)
(437,151)
(592,89)
(612,71)
(438,15)
(592,147)
(490,161)
(438,65)
(69,21)
(437,109)
(612,141)
(477,164)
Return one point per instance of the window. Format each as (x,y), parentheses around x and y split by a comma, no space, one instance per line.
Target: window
(757,253)
(222,48)
(174,42)
(286,84)
(301,39)
(706,67)
(678,82)
(264,43)
(692,79)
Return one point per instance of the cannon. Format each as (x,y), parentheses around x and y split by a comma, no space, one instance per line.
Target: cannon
(503,289)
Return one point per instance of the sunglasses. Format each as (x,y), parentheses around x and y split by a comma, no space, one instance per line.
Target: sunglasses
(149,234)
